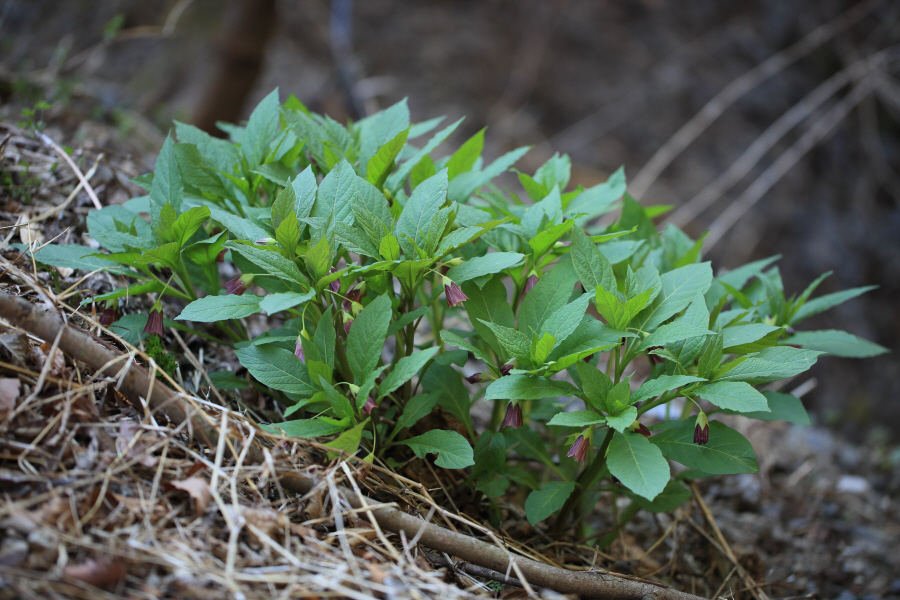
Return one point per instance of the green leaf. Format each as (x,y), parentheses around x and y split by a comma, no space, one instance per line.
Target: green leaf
(404,370)
(770,364)
(366,338)
(523,387)
(823,303)
(318,259)
(454,340)
(515,343)
(277,368)
(782,407)
(696,314)
(261,128)
(417,407)
(186,225)
(672,332)
(274,303)
(337,194)
(464,158)
(389,249)
(541,347)
(242,229)
(484,265)
(298,197)
(711,356)
(453,451)
(218,308)
(750,337)
(595,384)
(396,179)
(578,418)
(489,304)
(166,255)
(638,464)
(324,338)
(679,287)
(306,428)
(340,404)
(726,453)
(426,200)
(549,294)
(623,419)
(565,320)
(592,267)
(271,262)
(347,442)
(490,453)
(542,504)
(733,395)
(674,495)
(167,187)
(468,183)
(837,343)
(545,239)
(70,256)
(205,252)
(380,165)
(661,384)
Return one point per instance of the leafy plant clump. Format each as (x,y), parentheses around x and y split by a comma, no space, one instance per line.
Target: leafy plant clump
(396,283)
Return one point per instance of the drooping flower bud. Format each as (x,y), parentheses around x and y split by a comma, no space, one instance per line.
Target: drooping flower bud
(109,315)
(351,304)
(474,378)
(334,286)
(454,294)
(266,241)
(235,287)
(504,370)
(513,416)
(348,321)
(155,323)
(579,449)
(529,283)
(655,359)
(701,430)
(368,407)
(641,429)
(298,350)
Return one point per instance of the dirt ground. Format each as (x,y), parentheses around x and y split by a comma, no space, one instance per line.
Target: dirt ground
(610,84)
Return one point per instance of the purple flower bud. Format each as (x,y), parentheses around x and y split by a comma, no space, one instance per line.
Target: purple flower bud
(579,449)
(109,316)
(454,294)
(641,429)
(368,407)
(348,321)
(351,304)
(701,430)
(475,378)
(155,323)
(298,350)
(529,283)
(513,416)
(335,285)
(504,370)
(236,286)
(655,359)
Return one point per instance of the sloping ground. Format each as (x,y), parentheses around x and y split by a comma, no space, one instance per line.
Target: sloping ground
(104,497)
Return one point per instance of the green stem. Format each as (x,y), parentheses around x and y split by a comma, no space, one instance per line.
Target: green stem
(583,483)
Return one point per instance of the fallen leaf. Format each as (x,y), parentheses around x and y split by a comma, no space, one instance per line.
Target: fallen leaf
(101,572)
(198,489)
(17,345)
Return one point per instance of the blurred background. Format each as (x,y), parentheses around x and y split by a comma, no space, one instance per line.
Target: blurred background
(774,124)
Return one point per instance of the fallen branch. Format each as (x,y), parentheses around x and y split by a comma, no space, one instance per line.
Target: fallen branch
(138,382)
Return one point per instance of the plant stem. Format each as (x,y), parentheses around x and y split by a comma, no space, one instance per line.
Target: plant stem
(584,481)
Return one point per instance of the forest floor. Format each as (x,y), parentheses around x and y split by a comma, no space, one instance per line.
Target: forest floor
(103,498)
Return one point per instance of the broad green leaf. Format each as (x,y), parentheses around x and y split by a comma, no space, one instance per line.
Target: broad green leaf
(541,347)
(549,294)
(389,249)
(417,407)
(404,370)
(679,287)
(467,183)
(592,267)
(366,338)
(484,265)
(340,404)
(837,343)
(638,464)
(218,308)
(711,356)
(150,287)
(274,303)
(565,320)
(298,197)
(306,428)
(541,504)
(347,442)
(453,451)
(782,407)
(490,453)
(726,453)
(489,304)
(187,224)
(355,240)
(454,397)
(324,338)
(242,229)
(595,384)
(454,340)
(622,419)
(271,262)
(421,207)
(674,495)
(287,235)
(396,179)
(167,187)
(658,385)
(578,418)
(407,318)
(277,368)
(740,339)
(823,303)
(380,165)
(545,239)
(70,256)
(464,158)
(696,314)
(733,395)
(261,128)
(318,259)
(166,255)
(337,194)
(672,332)
(515,343)
(770,364)
(523,387)
(492,486)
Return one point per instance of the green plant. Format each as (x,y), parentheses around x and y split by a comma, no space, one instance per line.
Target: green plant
(350,236)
